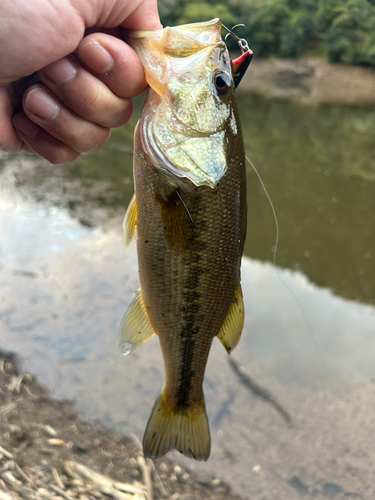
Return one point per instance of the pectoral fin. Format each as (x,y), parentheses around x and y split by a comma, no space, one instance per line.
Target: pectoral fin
(230,331)
(130,223)
(135,328)
(178,225)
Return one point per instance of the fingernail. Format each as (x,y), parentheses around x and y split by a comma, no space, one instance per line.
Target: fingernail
(42,104)
(96,57)
(61,71)
(25,126)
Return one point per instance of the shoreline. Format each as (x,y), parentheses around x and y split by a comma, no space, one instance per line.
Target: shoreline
(49,449)
(310,80)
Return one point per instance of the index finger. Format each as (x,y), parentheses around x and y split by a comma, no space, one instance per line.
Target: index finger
(114,62)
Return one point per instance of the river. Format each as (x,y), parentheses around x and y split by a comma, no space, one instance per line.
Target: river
(309,335)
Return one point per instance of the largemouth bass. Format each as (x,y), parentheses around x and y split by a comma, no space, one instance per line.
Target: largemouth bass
(189,217)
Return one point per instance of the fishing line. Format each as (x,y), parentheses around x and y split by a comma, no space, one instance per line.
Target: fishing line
(274,259)
(187,210)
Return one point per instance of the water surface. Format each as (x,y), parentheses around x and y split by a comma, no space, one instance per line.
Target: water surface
(318,165)
(65,283)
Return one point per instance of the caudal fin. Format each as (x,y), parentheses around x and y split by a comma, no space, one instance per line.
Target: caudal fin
(184,430)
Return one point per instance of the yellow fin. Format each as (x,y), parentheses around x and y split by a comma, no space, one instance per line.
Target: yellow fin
(179,229)
(230,331)
(169,429)
(135,327)
(130,222)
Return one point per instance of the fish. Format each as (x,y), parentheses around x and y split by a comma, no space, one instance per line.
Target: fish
(188,216)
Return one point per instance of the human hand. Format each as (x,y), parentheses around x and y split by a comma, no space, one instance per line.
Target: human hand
(83,94)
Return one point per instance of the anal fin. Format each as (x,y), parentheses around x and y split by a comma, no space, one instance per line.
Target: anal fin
(135,327)
(230,331)
(130,222)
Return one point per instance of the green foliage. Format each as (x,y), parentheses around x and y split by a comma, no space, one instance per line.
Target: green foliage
(350,36)
(196,11)
(296,34)
(289,28)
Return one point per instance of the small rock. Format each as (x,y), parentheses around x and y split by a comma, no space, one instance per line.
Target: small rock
(79,449)
(56,442)
(49,431)
(177,469)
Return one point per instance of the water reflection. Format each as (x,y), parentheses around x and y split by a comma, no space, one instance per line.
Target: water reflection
(65,283)
(318,164)
(319,167)
(63,290)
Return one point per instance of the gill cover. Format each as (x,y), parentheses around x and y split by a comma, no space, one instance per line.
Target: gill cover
(188,116)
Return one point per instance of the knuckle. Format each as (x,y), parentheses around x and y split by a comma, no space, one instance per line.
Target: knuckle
(89,141)
(11,146)
(90,103)
(105,110)
(124,116)
(62,155)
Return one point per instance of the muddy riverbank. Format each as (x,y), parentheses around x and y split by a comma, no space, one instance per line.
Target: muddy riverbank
(50,451)
(310,80)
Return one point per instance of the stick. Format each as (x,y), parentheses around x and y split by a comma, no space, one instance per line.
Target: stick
(257,389)
(146,475)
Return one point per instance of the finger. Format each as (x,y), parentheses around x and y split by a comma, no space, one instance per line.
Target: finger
(27,149)
(85,94)
(42,143)
(144,16)
(9,140)
(114,63)
(46,111)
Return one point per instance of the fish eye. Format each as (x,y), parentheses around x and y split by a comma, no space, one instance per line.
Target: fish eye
(223,82)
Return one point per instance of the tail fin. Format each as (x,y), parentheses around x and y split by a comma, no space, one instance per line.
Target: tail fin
(184,430)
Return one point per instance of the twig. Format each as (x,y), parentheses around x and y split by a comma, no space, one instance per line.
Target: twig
(136,441)
(79,471)
(5,452)
(23,474)
(5,496)
(60,491)
(257,389)
(146,475)
(163,491)
(57,478)
(7,408)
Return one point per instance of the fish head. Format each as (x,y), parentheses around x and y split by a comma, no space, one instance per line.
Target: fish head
(189,116)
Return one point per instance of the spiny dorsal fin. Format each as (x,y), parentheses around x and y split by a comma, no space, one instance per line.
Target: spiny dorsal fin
(130,223)
(230,331)
(135,327)
(175,429)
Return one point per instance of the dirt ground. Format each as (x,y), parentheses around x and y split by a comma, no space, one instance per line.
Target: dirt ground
(311,80)
(49,451)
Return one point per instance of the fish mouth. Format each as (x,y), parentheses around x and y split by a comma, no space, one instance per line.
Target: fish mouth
(183,153)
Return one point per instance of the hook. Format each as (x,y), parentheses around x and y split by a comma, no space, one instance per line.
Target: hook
(241,41)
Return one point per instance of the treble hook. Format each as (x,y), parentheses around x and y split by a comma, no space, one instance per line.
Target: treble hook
(241,41)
